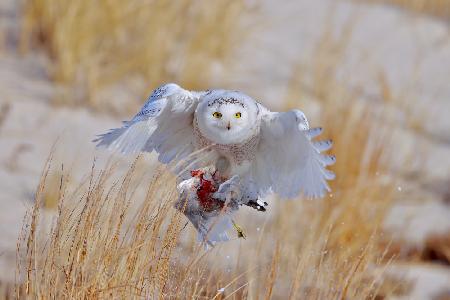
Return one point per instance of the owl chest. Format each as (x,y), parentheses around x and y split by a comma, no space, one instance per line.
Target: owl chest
(236,153)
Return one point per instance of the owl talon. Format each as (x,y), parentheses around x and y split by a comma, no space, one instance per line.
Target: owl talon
(229,189)
(258,205)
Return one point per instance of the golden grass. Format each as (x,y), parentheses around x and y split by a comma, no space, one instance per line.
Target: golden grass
(97,45)
(99,246)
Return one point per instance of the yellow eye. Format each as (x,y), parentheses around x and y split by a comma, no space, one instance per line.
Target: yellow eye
(217,115)
(237,115)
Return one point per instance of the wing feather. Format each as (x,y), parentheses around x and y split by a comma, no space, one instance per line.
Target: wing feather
(164,125)
(287,161)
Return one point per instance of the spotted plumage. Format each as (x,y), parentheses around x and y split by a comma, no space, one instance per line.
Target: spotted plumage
(223,101)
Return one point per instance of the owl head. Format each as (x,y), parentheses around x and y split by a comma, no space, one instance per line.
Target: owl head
(227,117)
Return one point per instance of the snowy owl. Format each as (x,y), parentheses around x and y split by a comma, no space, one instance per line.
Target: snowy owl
(270,152)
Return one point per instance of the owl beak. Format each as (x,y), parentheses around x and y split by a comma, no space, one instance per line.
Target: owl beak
(229,125)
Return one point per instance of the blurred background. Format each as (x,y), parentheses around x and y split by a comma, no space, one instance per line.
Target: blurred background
(375,74)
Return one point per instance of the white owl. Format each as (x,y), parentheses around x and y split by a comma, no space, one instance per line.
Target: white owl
(268,151)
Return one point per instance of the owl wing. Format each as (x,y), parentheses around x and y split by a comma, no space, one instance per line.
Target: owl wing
(288,162)
(164,124)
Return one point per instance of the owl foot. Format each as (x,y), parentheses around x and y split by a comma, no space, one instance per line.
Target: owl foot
(229,190)
(257,204)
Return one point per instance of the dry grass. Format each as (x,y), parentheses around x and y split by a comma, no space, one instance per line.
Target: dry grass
(102,244)
(106,44)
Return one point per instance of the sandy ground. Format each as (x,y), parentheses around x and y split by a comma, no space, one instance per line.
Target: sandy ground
(412,52)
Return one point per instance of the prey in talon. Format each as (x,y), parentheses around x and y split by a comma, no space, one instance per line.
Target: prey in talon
(209,201)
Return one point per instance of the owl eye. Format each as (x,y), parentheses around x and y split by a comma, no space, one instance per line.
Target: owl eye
(217,115)
(237,115)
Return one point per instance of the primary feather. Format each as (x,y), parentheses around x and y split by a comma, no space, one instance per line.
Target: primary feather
(164,125)
(287,161)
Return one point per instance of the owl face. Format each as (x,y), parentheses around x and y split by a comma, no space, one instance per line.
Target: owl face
(226,117)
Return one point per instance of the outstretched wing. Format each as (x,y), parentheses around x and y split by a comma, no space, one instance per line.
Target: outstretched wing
(287,161)
(164,124)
